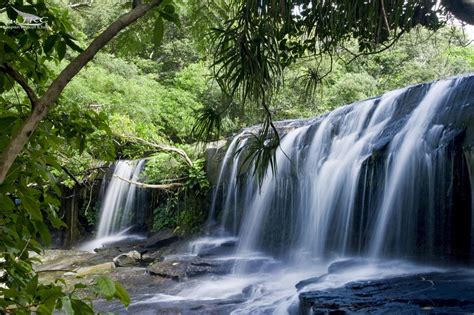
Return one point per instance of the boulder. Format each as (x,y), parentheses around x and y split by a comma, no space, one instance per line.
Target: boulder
(131,258)
(160,239)
(440,293)
(175,270)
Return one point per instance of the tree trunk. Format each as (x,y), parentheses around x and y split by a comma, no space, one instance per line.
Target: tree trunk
(29,125)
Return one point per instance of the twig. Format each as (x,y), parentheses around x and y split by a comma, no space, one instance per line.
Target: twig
(71,175)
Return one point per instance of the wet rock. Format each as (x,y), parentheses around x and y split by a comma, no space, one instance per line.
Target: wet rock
(149,257)
(62,260)
(100,268)
(181,269)
(447,293)
(160,239)
(175,270)
(131,258)
(199,268)
(343,265)
(206,247)
(335,268)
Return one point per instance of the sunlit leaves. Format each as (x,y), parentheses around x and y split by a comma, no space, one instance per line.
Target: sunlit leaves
(109,289)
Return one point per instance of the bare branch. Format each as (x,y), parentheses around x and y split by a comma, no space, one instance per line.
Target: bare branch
(158,186)
(71,175)
(384,14)
(6,68)
(164,148)
(76,6)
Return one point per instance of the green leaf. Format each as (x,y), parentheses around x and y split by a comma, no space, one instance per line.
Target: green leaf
(6,203)
(73,45)
(80,286)
(169,8)
(46,308)
(67,306)
(44,232)
(8,41)
(122,294)
(173,17)
(106,287)
(49,43)
(158,31)
(61,49)
(32,207)
(82,308)
(32,286)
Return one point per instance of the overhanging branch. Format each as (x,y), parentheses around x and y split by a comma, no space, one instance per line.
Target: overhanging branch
(161,147)
(153,186)
(8,69)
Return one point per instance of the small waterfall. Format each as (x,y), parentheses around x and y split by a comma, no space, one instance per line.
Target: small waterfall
(374,178)
(116,211)
(227,191)
(119,203)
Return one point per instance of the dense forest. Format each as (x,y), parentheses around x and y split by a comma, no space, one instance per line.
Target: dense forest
(156,91)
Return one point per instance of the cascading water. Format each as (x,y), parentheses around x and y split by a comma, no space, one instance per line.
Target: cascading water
(116,211)
(228,173)
(118,205)
(389,177)
(317,191)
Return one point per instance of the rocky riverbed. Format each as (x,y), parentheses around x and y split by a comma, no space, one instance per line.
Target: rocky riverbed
(164,276)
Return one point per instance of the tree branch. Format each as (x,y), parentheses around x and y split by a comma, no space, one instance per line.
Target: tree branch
(164,148)
(158,186)
(384,14)
(76,6)
(71,175)
(29,125)
(8,69)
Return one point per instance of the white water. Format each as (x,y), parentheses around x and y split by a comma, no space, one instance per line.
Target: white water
(119,201)
(273,292)
(407,150)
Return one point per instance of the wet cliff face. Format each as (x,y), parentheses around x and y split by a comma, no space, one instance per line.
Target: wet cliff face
(386,177)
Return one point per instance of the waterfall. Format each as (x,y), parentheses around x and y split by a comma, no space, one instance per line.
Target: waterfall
(116,213)
(375,178)
(119,203)
(228,173)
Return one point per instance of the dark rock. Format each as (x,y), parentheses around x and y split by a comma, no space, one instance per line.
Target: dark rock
(448,293)
(180,269)
(202,267)
(334,268)
(300,285)
(175,270)
(160,239)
